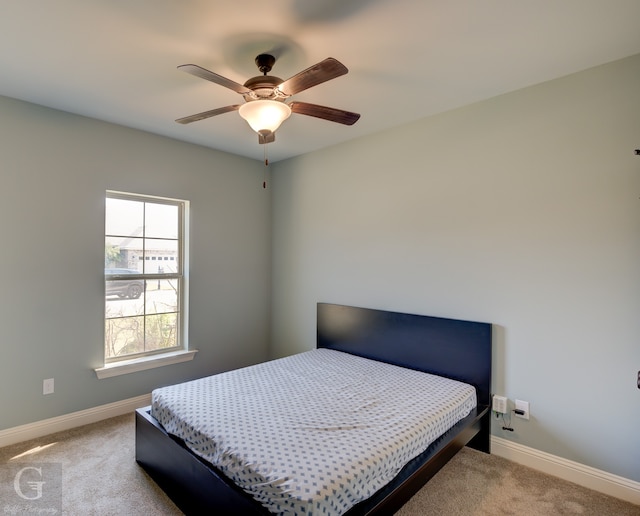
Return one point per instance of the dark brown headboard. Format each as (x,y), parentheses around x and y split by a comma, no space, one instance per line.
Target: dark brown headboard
(456,349)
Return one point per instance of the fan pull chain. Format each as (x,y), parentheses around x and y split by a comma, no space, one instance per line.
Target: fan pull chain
(266,164)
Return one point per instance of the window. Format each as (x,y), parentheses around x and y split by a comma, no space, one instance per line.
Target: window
(144,295)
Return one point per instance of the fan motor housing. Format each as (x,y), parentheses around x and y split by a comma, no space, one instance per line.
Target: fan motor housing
(263,86)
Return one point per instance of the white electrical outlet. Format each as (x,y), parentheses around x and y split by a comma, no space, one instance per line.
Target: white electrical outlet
(524,407)
(499,404)
(47,386)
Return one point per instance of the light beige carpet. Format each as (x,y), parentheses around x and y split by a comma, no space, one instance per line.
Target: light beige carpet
(100,477)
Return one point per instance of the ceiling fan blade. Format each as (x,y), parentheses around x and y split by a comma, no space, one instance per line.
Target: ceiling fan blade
(207,114)
(332,114)
(321,72)
(203,73)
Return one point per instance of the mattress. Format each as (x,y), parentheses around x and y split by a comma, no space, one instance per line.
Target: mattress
(313,433)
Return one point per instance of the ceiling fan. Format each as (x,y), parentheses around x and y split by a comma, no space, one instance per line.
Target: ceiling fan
(265,107)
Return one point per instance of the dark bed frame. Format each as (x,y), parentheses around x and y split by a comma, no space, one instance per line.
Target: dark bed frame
(460,350)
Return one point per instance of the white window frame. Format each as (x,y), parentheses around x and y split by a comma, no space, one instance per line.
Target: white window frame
(181,353)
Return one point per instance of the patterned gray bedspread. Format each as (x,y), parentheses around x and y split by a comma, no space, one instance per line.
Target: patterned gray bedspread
(313,433)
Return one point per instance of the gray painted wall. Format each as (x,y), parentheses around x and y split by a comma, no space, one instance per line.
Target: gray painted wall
(522,211)
(55,168)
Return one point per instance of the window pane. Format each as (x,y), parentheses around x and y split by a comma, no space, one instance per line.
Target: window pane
(124,298)
(124,336)
(162,296)
(161,331)
(124,217)
(123,252)
(161,221)
(155,253)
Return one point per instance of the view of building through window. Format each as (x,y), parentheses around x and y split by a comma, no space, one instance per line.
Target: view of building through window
(143,275)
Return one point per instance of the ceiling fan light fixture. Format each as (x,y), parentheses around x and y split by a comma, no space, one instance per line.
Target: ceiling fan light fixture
(265,115)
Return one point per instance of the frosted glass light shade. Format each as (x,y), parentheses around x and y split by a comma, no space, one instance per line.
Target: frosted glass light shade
(264,115)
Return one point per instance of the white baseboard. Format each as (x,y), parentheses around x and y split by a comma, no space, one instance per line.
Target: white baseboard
(68,421)
(575,472)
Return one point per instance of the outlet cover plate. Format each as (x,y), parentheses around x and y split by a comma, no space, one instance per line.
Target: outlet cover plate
(524,406)
(499,404)
(47,386)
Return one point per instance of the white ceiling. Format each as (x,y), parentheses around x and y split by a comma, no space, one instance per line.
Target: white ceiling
(115,60)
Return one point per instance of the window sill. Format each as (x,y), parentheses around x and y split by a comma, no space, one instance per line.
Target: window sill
(141,364)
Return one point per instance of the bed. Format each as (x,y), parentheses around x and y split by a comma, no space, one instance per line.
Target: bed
(452,349)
